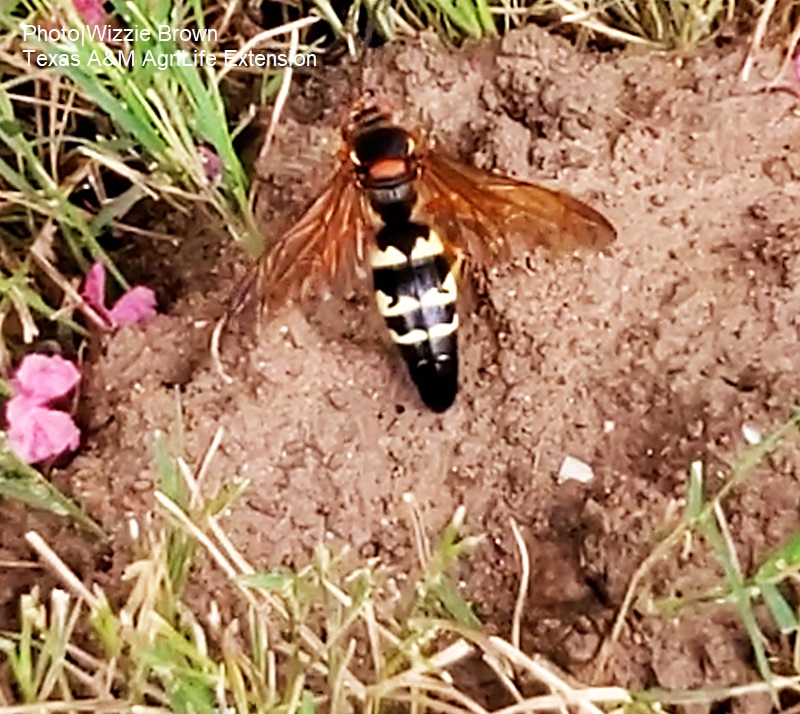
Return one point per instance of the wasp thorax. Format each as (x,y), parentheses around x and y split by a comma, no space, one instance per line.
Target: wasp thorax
(380,142)
(385,167)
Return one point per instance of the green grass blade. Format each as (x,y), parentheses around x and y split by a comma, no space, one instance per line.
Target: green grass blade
(785,558)
(694,496)
(273,582)
(783,613)
(21,482)
(740,593)
(742,601)
(452,603)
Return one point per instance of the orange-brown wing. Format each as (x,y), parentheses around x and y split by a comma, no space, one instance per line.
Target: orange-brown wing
(324,247)
(487,214)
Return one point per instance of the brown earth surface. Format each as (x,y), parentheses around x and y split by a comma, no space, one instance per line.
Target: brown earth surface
(638,361)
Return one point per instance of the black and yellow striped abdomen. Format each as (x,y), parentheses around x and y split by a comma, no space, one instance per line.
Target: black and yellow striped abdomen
(416,292)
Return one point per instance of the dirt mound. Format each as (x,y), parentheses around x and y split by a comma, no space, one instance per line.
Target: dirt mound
(637,362)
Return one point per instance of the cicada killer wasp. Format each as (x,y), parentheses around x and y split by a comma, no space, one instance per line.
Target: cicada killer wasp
(415,214)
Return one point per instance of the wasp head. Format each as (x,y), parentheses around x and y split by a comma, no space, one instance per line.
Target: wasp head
(369,110)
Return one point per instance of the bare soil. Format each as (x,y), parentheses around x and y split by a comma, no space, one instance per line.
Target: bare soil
(637,361)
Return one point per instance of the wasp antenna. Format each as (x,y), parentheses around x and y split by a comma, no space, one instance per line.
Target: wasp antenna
(375,30)
(369,31)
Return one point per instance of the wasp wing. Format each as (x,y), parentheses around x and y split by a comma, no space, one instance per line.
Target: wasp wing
(324,247)
(487,215)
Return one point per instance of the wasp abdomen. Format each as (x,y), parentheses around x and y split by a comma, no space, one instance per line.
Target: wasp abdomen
(416,292)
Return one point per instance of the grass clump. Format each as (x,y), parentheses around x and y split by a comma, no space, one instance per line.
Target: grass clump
(658,24)
(332,635)
(151,124)
(94,133)
(98,130)
(704,516)
(337,634)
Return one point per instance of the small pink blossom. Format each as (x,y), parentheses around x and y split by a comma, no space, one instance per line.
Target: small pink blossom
(91,11)
(44,378)
(136,305)
(37,432)
(94,289)
(40,433)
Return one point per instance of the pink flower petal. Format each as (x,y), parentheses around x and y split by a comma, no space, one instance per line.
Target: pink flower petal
(796,65)
(94,289)
(138,304)
(18,406)
(91,11)
(43,378)
(37,433)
